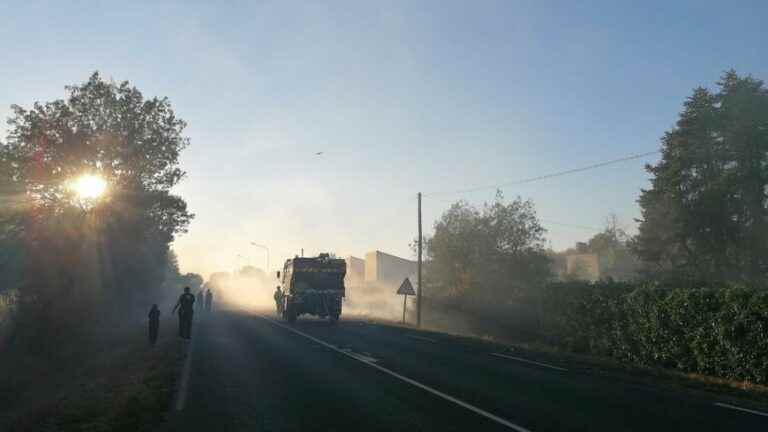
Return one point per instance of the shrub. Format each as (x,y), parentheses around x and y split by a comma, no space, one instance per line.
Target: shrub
(721,331)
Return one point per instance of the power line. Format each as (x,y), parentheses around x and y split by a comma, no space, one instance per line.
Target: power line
(546,176)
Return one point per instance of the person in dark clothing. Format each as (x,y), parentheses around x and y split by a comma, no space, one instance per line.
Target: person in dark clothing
(185,305)
(279,300)
(208,300)
(200,300)
(154,324)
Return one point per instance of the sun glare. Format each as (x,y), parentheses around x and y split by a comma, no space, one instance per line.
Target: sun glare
(89,186)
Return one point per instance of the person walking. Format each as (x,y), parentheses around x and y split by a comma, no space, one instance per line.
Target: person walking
(208,300)
(185,305)
(278,296)
(154,324)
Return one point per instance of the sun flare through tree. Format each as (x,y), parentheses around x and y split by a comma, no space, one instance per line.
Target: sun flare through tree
(89,186)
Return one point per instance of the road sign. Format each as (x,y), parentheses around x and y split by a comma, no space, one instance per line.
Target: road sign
(406,288)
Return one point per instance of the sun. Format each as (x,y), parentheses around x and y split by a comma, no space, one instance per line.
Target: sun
(89,186)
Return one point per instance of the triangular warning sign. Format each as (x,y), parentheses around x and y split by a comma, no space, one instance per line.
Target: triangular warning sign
(406,288)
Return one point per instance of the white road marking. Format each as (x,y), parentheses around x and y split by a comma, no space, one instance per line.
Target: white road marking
(181,398)
(361,357)
(421,338)
(734,407)
(415,383)
(529,361)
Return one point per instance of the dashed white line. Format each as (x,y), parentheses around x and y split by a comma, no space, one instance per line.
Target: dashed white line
(361,357)
(415,383)
(734,407)
(529,361)
(421,338)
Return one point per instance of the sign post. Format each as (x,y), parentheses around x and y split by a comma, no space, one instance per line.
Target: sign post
(405,290)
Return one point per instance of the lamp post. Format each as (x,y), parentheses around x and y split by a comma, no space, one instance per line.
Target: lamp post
(266,249)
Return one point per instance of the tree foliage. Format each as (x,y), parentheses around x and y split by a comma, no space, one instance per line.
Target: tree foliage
(705,215)
(612,246)
(113,251)
(491,254)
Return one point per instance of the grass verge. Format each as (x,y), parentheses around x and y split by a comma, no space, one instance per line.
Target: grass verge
(119,384)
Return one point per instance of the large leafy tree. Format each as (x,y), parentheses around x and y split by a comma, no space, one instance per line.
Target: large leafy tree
(488,255)
(83,255)
(705,215)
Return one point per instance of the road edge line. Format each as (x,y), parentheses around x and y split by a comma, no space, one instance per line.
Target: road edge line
(403,378)
(737,408)
(181,395)
(529,361)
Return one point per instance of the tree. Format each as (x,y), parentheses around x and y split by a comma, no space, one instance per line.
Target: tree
(612,246)
(705,214)
(615,257)
(579,272)
(174,281)
(488,255)
(114,252)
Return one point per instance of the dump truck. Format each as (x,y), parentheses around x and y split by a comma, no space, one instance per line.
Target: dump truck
(313,286)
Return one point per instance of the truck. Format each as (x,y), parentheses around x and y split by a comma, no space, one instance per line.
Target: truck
(313,285)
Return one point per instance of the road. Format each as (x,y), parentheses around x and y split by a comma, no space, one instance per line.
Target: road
(248,371)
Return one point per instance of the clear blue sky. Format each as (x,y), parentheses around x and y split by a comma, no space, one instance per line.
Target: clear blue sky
(400,96)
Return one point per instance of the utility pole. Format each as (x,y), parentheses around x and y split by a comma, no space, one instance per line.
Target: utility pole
(418,274)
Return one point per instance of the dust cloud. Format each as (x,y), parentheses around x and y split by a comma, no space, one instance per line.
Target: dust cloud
(376,302)
(243,291)
(253,291)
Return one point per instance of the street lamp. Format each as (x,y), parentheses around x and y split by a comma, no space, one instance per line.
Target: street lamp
(266,249)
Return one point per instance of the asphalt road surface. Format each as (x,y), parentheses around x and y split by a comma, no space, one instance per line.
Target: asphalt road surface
(248,371)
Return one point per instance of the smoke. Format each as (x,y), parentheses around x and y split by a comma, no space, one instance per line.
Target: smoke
(379,301)
(513,322)
(243,291)
(372,301)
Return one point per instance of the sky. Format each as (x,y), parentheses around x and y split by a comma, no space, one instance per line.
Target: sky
(399,96)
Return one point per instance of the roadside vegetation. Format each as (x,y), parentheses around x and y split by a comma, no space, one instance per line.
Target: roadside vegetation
(87,216)
(688,292)
(114,383)
(718,331)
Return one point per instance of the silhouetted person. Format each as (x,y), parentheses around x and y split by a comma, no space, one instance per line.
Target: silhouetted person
(185,305)
(154,324)
(200,301)
(279,300)
(208,300)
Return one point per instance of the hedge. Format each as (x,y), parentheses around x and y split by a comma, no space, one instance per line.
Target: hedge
(719,331)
